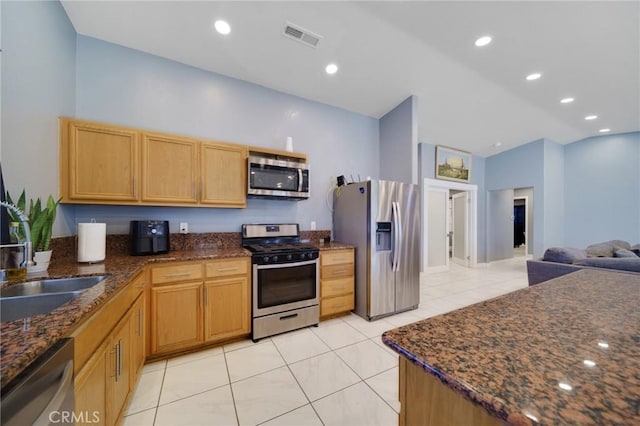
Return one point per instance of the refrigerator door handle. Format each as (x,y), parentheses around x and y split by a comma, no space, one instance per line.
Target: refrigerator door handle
(396,236)
(399,237)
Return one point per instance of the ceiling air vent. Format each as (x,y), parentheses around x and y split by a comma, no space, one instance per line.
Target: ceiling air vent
(298,33)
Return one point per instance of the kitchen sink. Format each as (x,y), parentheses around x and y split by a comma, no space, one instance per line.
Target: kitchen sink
(13,308)
(56,285)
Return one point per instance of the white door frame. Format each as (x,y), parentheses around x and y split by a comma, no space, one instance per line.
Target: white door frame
(526,222)
(472,224)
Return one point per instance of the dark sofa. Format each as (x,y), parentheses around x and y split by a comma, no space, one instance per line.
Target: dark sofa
(557,261)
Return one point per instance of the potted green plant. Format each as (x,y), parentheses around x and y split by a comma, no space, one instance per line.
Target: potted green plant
(41,218)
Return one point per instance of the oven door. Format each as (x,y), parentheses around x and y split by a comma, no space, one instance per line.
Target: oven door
(286,286)
(277,179)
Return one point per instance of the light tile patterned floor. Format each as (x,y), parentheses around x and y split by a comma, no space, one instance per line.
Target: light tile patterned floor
(339,373)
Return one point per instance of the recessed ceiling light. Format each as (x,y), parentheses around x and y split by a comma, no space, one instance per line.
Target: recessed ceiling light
(591,117)
(483,41)
(566,100)
(497,144)
(604,130)
(331,69)
(533,76)
(222,27)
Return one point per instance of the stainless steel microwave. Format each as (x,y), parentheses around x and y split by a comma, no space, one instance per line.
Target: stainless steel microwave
(275,178)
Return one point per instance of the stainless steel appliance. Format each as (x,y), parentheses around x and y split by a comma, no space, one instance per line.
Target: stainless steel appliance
(149,237)
(285,279)
(43,394)
(381,218)
(275,177)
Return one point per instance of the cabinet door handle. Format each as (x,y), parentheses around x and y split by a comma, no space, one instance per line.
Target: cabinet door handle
(119,364)
(114,360)
(235,268)
(195,191)
(202,189)
(206,296)
(135,189)
(139,322)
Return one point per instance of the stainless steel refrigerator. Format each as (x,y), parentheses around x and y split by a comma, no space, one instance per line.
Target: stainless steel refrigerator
(382,220)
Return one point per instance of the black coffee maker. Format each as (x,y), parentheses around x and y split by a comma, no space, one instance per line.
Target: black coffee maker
(149,237)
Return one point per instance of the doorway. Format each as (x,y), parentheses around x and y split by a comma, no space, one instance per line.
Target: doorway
(438,217)
(520,226)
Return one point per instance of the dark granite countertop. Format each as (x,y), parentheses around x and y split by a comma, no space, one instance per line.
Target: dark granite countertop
(25,339)
(566,351)
(333,246)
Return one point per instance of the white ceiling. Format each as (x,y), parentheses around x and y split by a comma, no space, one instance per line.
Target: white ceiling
(469,98)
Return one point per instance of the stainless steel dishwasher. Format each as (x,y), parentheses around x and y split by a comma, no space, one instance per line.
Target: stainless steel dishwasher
(42,394)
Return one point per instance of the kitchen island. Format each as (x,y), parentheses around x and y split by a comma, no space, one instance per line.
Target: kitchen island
(564,352)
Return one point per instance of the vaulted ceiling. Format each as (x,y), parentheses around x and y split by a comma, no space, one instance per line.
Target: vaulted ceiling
(470,98)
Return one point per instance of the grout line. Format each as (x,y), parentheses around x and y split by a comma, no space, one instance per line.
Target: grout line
(233,396)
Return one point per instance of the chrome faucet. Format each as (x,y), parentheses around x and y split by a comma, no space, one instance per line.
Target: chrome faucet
(27,257)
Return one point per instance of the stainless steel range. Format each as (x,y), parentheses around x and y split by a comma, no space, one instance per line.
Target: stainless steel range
(286,280)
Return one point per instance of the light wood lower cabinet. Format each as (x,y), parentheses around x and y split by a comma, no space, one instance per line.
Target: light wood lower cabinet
(91,388)
(336,282)
(176,316)
(226,310)
(425,400)
(193,303)
(102,386)
(138,339)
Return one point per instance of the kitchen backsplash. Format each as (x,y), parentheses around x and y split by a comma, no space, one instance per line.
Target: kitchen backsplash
(65,247)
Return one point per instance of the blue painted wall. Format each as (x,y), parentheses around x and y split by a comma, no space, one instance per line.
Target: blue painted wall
(123,86)
(554,202)
(399,142)
(522,167)
(602,189)
(38,85)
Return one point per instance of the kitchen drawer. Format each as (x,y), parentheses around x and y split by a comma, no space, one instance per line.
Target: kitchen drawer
(336,287)
(173,273)
(335,305)
(336,257)
(226,267)
(336,271)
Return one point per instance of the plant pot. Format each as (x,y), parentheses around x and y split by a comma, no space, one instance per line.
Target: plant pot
(42,259)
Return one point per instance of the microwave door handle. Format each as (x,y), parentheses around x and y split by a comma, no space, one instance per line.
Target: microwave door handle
(300,180)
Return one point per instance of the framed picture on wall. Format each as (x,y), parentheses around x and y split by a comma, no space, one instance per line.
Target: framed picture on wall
(452,164)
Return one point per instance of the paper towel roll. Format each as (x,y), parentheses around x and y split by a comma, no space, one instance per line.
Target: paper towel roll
(92,238)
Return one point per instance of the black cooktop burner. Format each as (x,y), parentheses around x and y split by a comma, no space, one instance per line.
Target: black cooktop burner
(276,244)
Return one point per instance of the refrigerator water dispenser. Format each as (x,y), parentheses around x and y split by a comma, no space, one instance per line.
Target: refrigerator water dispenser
(383,236)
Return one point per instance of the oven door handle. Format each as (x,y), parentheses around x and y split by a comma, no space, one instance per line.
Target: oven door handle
(288,265)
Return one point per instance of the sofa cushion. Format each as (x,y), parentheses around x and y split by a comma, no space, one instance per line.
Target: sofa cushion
(606,248)
(564,255)
(619,263)
(624,253)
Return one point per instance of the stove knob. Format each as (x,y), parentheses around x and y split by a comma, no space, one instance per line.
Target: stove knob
(265,259)
(303,256)
(275,259)
(289,257)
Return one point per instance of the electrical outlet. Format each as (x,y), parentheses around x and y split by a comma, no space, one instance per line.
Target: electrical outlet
(184,228)
(313,225)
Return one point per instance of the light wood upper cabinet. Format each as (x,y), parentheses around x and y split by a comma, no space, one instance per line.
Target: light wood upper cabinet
(170,169)
(98,162)
(223,175)
(106,164)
